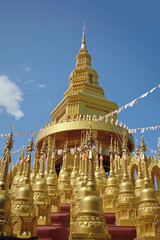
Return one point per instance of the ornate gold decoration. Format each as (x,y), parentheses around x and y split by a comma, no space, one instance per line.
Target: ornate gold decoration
(148,220)
(23,211)
(5,202)
(41,199)
(112,188)
(90,222)
(139,178)
(52,182)
(64,186)
(126,207)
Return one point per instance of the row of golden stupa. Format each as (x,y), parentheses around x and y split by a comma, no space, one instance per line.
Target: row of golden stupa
(28,194)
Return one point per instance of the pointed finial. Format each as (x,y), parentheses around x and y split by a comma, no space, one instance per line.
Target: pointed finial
(137,149)
(83,44)
(124,145)
(115,146)
(21,156)
(143,145)
(111,145)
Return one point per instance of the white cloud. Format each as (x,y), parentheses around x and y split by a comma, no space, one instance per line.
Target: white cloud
(29,81)
(10,97)
(41,85)
(27,69)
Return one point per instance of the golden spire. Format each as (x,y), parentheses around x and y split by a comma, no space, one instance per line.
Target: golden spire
(148,220)
(124,150)
(111,157)
(4,173)
(91,209)
(111,191)
(83,44)
(144,158)
(5,202)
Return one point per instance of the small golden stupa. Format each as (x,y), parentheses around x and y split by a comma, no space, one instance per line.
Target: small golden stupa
(116,161)
(74,172)
(148,220)
(52,182)
(23,213)
(64,186)
(5,202)
(41,199)
(139,178)
(126,207)
(98,175)
(102,170)
(90,223)
(112,186)
(15,183)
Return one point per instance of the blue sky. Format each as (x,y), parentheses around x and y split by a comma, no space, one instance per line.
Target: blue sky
(39,41)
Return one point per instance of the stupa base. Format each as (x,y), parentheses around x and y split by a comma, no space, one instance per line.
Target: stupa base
(125,222)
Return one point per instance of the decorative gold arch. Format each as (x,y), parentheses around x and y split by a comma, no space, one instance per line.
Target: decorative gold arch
(154,169)
(133,165)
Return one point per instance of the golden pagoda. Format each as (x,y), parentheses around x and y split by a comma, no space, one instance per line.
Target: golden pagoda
(84,103)
(41,199)
(23,211)
(90,223)
(126,206)
(52,182)
(148,220)
(112,187)
(5,201)
(38,196)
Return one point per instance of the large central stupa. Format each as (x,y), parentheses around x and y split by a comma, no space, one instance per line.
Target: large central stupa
(84,105)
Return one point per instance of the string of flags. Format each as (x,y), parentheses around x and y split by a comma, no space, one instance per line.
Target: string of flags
(130,104)
(16,151)
(72,151)
(133,130)
(100,118)
(152,151)
(19,134)
(154,128)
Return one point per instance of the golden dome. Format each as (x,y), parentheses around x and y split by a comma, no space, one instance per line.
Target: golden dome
(148,195)
(138,183)
(126,186)
(24,193)
(51,180)
(91,204)
(32,176)
(2,185)
(82,192)
(73,174)
(40,186)
(64,177)
(5,203)
(98,175)
(112,181)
